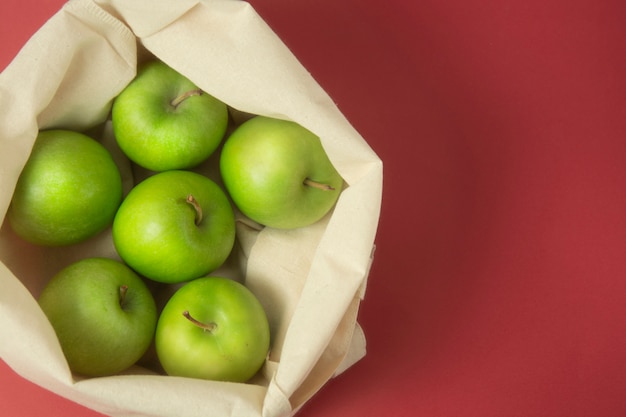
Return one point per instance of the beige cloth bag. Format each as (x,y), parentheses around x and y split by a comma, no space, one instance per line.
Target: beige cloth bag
(310,281)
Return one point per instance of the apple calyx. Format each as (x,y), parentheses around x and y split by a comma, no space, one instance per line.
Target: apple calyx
(320,186)
(184,96)
(191,200)
(206,327)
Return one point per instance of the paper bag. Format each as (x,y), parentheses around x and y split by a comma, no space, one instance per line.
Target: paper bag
(310,280)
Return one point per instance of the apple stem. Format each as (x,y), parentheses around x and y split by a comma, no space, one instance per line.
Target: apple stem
(184,96)
(207,327)
(319,186)
(196,206)
(123,291)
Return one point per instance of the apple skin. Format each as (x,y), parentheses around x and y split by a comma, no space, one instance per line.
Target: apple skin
(264,164)
(100,334)
(155,229)
(159,136)
(68,191)
(233,351)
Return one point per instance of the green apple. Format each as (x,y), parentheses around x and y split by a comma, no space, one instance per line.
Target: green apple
(103,314)
(213,328)
(163,121)
(174,226)
(68,191)
(278,174)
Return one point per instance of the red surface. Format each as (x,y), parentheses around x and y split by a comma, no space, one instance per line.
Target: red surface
(499,286)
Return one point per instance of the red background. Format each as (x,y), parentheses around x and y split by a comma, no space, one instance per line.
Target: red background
(499,285)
